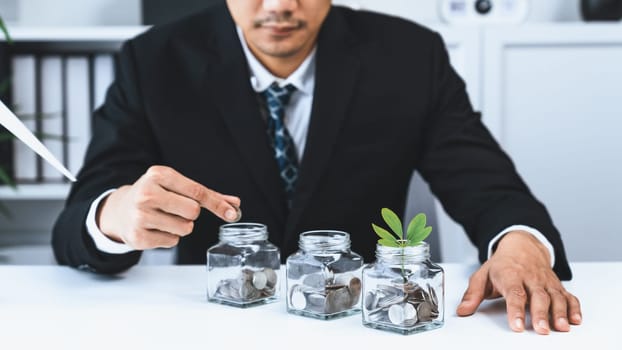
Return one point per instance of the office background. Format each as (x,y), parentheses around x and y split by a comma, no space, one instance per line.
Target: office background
(548,89)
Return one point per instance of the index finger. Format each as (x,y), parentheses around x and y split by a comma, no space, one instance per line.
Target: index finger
(223,206)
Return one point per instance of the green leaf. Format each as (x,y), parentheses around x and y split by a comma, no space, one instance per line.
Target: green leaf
(388,243)
(420,236)
(5,85)
(5,136)
(393,221)
(5,178)
(416,225)
(4,211)
(383,234)
(46,136)
(5,31)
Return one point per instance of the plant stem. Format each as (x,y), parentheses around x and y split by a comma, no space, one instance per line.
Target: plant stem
(7,36)
(403,272)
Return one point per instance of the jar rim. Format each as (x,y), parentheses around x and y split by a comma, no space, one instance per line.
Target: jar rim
(243,230)
(324,240)
(319,233)
(244,226)
(419,251)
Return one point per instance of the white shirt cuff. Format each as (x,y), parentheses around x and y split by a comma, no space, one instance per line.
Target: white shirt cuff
(102,242)
(539,236)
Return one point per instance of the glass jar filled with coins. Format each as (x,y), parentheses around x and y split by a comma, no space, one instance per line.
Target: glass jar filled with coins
(323,276)
(242,269)
(403,290)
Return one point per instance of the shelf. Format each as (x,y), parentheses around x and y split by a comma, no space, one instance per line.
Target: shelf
(95,33)
(35,192)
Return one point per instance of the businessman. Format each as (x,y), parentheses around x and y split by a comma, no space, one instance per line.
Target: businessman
(306,116)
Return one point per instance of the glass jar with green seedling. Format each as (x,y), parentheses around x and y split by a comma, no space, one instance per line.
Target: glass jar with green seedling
(403,289)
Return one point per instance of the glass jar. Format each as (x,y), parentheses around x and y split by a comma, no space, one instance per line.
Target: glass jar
(243,268)
(324,276)
(404,291)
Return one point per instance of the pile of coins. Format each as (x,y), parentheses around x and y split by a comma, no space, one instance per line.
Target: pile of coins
(404,304)
(248,286)
(321,295)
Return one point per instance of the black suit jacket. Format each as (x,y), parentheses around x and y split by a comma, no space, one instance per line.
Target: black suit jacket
(386,103)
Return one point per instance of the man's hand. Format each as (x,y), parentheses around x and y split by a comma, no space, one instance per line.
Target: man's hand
(520,271)
(159,208)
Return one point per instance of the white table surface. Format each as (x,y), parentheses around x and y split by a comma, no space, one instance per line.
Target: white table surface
(165,307)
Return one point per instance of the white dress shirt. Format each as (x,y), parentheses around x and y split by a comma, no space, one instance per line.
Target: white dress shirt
(297,117)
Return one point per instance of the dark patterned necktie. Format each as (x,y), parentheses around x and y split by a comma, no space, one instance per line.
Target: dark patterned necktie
(282,143)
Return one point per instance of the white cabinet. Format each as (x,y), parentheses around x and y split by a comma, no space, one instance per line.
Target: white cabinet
(553,96)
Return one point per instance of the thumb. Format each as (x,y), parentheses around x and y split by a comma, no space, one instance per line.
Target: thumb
(474,295)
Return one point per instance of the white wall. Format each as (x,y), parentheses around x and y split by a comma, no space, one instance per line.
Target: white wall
(73,12)
(127,12)
(428,10)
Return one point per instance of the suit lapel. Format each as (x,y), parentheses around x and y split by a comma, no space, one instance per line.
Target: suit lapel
(336,72)
(227,85)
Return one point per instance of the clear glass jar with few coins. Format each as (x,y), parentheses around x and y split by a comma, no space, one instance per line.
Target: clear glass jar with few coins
(324,276)
(243,268)
(403,290)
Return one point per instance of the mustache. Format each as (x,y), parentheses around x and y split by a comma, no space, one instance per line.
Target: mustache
(281,19)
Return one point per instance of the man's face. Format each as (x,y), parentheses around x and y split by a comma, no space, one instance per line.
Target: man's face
(279,28)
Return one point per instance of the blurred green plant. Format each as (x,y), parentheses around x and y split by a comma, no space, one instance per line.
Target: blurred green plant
(7,36)
(5,85)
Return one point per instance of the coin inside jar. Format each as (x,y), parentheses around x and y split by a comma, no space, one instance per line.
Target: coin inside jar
(270,277)
(338,300)
(259,280)
(316,299)
(425,313)
(371,300)
(315,281)
(410,313)
(396,314)
(354,287)
(247,291)
(297,298)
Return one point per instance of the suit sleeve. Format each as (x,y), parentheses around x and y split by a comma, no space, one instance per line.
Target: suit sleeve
(474,179)
(120,151)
